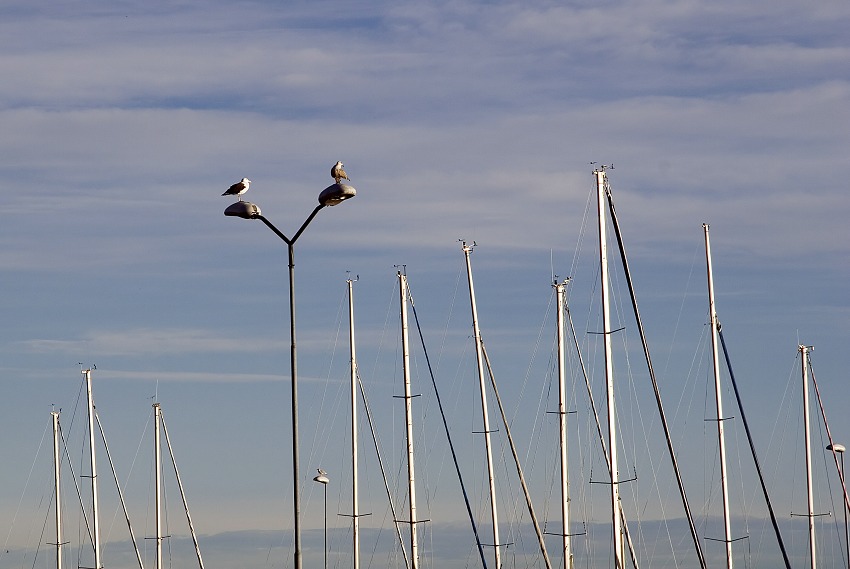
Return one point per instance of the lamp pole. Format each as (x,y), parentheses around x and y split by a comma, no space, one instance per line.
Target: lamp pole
(323,479)
(839,448)
(330,196)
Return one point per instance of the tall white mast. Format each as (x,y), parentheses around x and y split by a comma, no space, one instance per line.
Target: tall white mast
(601,188)
(157,458)
(476,330)
(56,469)
(95,521)
(724,482)
(354,498)
(804,359)
(560,292)
(408,410)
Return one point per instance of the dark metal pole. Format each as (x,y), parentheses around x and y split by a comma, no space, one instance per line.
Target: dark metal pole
(293,365)
(846,530)
(326,525)
(837,448)
(332,195)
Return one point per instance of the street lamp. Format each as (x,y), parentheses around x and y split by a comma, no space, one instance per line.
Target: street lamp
(839,448)
(323,479)
(332,195)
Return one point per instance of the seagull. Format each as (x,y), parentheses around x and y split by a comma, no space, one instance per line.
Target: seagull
(337,173)
(238,188)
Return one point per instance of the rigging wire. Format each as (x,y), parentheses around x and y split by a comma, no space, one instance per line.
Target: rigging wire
(752,448)
(337,403)
(325,428)
(595,345)
(829,435)
(824,427)
(182,494)
(448,434)
(41,538)
(5,550)
(672,455)
(577,367)
(26,485)
(640,504)
(585,220)
(746,507)
(697,357)
(77,487)
(381,465)
(541,541)
(120,493)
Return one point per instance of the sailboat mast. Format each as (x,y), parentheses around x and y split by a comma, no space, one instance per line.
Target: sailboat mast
(724,481)
(157,458)
(408,414)
(56,469)
(476,331)
(355,515)
(93,462)
(804,359)
(601,182)
(560,292)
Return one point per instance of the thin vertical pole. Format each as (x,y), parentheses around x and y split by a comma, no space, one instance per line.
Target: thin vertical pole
(354,497)
(804,359)
(609,371)
(560,292)
(841,473)
(326,525)
(408,410)
(724,482)
(93,461)
(293,366)
(56,475)
(157,458)
(476,331)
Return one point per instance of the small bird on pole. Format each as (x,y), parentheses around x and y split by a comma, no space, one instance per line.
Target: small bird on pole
(238,188)
(337,173)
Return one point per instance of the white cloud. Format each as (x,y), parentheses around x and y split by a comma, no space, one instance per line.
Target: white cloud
(148,341)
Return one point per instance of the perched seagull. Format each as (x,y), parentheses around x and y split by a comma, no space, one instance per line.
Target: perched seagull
(238,188)
(337,173)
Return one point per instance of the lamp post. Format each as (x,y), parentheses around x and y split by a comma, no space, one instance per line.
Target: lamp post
(332,195)
(323,479)
(839,448)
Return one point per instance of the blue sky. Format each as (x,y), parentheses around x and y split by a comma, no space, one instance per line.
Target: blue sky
(124,122)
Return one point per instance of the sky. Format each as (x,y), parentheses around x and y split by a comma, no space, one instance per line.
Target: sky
(123,122)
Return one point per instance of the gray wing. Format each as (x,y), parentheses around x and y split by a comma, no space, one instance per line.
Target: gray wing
(234,189)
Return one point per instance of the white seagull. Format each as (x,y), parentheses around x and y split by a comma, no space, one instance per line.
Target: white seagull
(337,173)
(238,188)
